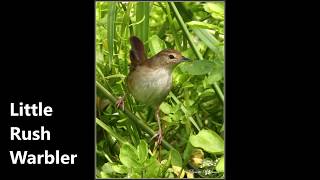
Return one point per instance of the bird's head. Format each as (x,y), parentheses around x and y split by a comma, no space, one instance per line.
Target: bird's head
(168,58)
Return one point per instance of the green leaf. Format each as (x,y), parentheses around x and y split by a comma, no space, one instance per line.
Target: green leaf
(99,56)
(134,174)
(165,165)
(176,158)
(129,157)
(121,169)
(216,9)
(202,25)
(142,13)
(209,141)
(220,165)
(142,151)
(216,75)
(187,153)
(222,128)
(187,84)
(197,67)
(208,39)
(107,168)
(165,108)
(156,45)
(152,168)
(111,29)
(104,175)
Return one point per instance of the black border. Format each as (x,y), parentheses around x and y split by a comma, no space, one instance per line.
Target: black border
(48,55)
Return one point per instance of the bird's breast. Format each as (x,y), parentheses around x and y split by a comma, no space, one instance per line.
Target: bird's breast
(150,86)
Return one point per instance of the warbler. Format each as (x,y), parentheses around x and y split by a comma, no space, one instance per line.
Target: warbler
(150,79)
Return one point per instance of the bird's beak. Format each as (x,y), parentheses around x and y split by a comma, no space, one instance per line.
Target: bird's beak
(185,59)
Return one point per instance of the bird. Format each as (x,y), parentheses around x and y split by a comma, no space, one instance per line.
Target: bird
(150,79)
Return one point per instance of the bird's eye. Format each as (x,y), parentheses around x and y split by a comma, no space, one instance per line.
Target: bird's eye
(171,56)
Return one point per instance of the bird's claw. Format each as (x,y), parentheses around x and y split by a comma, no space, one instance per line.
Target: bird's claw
(159,137)
(120,103)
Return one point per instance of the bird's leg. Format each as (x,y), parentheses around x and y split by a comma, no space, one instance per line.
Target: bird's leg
(159,133)
(120,102)
(160,137)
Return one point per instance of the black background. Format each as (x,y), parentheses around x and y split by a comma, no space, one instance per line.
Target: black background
(271,90)
(47,55)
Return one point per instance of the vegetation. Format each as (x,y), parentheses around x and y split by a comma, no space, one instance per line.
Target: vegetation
(192,114)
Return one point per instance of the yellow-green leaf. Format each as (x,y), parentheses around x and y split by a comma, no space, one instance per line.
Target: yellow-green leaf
(209,141)
(220,165)
(203,25)
(129,157)
(142,151)
(156,45)
(197,67)
(165,108)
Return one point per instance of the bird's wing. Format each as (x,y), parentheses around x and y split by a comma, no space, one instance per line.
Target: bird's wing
(137,52)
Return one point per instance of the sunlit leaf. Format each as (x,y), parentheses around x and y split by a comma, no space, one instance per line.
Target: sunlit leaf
(216,75)
(208,39)
(121,169)
(197,67)
(220,165)
(156,45)
(215,9)
(202,25)
(142,151)
(190,174)
(187,153)
(99,56)
(107,168)
(152,168)
(178,171)
(134,174)
(209,141)
(165,108)
(176,158)
(176,162)
(129,157)
(104,175)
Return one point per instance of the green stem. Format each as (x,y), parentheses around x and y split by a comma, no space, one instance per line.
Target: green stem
(218,91)
(172,26)
(127,10)
(135,119)
(110,131)
(185,111)
(185,30)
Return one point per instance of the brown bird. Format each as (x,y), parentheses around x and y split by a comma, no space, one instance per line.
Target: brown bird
(150,80)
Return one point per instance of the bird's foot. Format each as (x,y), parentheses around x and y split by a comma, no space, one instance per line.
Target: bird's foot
(120,103)
(159,137)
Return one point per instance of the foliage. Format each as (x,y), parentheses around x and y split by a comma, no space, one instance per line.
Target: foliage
(192,114)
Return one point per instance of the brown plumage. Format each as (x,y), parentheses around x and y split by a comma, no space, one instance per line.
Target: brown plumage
(150,79)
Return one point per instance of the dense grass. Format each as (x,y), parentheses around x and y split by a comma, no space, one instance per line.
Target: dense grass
(193,113)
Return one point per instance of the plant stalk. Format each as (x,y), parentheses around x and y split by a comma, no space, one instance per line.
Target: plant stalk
(104,92)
